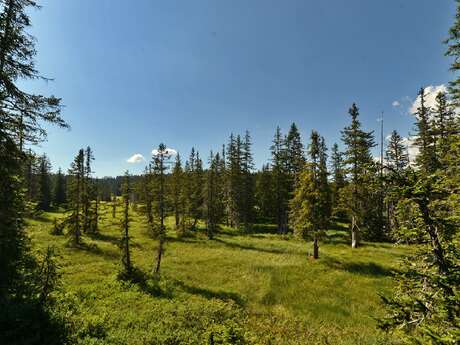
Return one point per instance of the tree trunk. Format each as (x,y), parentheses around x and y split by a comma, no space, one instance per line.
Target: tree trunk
(195,221)
(433,232)
(315,248)
(354,233)
(77,220)
(126,223)
(177,216)
(159,254)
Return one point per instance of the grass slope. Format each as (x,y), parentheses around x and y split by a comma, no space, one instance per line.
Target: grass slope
(256,288)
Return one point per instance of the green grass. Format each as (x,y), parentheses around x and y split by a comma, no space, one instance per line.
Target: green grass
(258,288)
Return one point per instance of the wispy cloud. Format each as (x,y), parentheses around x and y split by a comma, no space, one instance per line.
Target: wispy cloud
(396,104)
(136,158)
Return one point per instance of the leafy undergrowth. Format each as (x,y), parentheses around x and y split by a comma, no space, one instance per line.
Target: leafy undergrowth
(258,288)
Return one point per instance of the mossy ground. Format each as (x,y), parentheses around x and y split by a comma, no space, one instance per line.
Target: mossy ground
(258,288)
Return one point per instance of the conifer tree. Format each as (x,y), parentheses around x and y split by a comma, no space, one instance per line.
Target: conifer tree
(44,202)
(194,188)
(87,190)
(338,180)
(225,183)
(76,180)
(303,209)
(426,158)
(94,225)
(294,151)
(21,119)
(220,186)
(59,197)
(234,179)
(396,155)
(125,238)
(324,188)
(318,157)
(239,181)
(397,161)
(280,180)
(425,307)
(176,188)
(310,205)
(146,190)
(159,168)
(211,196)
(445,127)
(247,193)
(453,50)
(265,194)
(30,173)
(358,159)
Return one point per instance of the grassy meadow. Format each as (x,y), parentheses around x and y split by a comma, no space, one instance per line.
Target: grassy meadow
(258,288)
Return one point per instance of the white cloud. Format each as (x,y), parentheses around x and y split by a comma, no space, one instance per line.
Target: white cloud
(412,150)
(168,151)
(136,158)
(396,104)
(376,159)
(430,97)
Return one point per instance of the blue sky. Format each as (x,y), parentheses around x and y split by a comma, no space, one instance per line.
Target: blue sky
(133,74)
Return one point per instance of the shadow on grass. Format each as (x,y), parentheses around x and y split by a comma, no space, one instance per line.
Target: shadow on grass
(210,294)
(188,238)
(104,237)
(251,247)
(163,287)
(152,286)
(93,249)
(337,237)
(23,322)
(258,228)
(41,217)
(98,236)
(362,268)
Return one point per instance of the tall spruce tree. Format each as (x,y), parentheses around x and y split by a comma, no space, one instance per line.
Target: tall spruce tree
(294,151)
(397,156)
(220,186)
(147,184)
(425,306)
(125,238)
(324,187)
(21,117)
(358,160)
(264,194)
(444,125)
(424,140)
(160,161)
(396,162)
(338,181)
(193,189)
(177,177)
(75,191)
(44,201)
(235,180)
(305,210)
(59,191)
(211,196)
(87,190)
(247,192)
(310,206)
(280,180)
